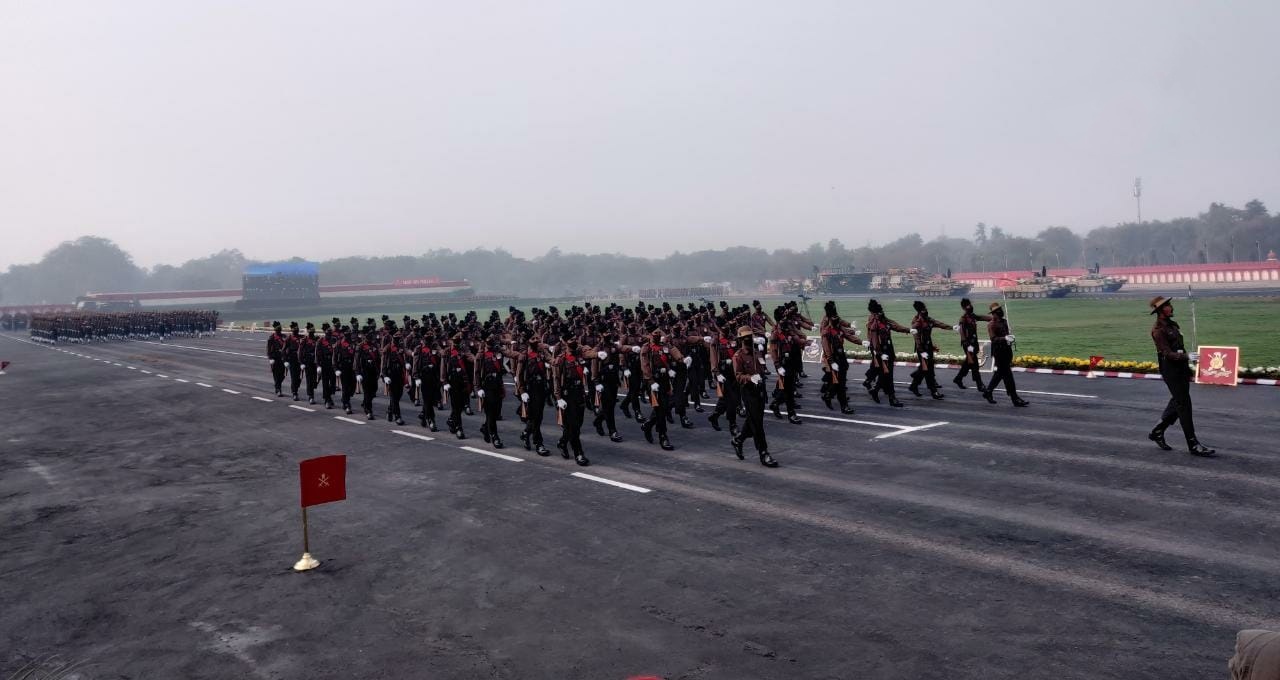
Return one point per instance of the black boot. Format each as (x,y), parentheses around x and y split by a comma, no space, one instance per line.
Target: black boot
(399,420)
(626,412)
(714,419)
(647,428)
(1198,449)
(564,448)
(1157,436)
(311,401)
(777,410)
(826,399)
(737,447)
(431,425)
(893,401)
(524,437)
(733,430)
(460,433)
(497,442)
(936,394)
(697,408)
(794,419)
(541,450)
(599,427)
(875,395)
(422,420)
(846,409)
(484,433)
(959,382)
(295,397)
(914,389)
(615,437)
(986,394)
(581,459)
(1019,401)
(767,460)
(685,422)
(665,443)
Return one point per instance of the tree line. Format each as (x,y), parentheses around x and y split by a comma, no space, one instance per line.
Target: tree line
(1220,234)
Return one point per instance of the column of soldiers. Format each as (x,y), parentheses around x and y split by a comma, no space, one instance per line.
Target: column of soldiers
(87,327)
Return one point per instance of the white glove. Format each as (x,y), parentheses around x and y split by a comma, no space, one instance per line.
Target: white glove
(925,355)
(271,361)
(447,387)
(599,388)
(719,378)
(407,367)
(304,367)
(562,404)
(626,373)
(1008,338)
(671,372)
(653,387)
(972,349)
(359,378)
(524,396)
(586,371)
(914,331)
(760,342)
(286,364)
(602,355)
(386,380)
(706,339)
(756,379)
(635,348)
(688,361)
(884,357)
(1194,356)
(417,382)
(480,393)
(782,371)
(956,328)
(337,374)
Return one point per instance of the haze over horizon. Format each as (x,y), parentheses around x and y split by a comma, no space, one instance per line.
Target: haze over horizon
(324,129)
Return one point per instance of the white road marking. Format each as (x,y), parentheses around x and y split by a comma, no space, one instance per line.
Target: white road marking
(146,371)
(225,390)
(203,385)
(302,408)
(132,368)
(503,456)
(115,364)
(602,480)
(161,375)
(345,419)
(851,420)
(415,435)
(181,380)
(263,399)
(202,349)
(905,430)
(42,471)
(1062,394)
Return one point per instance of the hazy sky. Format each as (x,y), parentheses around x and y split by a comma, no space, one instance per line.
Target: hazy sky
(328,128)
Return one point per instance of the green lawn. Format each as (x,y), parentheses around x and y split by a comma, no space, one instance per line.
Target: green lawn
(1118,329)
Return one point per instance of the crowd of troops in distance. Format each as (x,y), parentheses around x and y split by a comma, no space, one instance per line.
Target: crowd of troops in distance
(86,327)
(615,359)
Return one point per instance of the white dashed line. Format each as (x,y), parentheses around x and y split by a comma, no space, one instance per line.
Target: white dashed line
(302,408)
(146,371)
(345,419)
(620,485)
(161,375)
(423,437)
(115,364)
(503,456)
(224,390)
(850,420)
(905,430)
(263,399)
(132,368)
(181,380)
(203,385)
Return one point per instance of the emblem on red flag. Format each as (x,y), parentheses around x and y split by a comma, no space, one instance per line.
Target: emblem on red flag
(1218,365)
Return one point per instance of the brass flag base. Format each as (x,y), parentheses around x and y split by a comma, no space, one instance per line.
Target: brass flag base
(306,562)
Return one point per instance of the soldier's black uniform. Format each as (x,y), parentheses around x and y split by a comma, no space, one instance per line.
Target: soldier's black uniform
(344,368)
(535,384)
(426,371)
(306,355)
(1175,368)
(607,378)
(291,347)
(368,366)
(275,356)
(454,375)
(1002,356)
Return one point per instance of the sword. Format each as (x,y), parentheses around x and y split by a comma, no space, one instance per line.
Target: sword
(1194,343)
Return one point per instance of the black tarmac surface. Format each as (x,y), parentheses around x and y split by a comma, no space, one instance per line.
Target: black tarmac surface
(151,520)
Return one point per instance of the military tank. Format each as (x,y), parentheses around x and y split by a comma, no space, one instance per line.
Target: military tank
(1094,282)
(943,288)
(1038,286)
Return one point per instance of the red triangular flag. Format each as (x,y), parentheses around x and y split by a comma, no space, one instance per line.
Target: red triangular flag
(1094,361)
(323,479)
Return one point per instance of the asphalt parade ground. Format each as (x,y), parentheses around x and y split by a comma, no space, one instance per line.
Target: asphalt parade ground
(150,496)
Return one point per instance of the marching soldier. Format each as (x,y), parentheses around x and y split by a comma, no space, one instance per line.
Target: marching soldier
(344,367)
(291,359)
(783,351)
(607,372)
(275,357)
(835,332)
(489,389)
(368,365)
(746,368)
(426,371)
(323,361)
(535,387)
(726,385)
(571,373)
(1175,368)
(922,328)
(306,355)
(879,332)
(394,375)
(657,362)
(633,375)
(968,329)
(454,376)
(1002,355)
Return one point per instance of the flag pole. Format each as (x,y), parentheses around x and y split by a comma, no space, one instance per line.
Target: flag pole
(1194,342)
(305,562)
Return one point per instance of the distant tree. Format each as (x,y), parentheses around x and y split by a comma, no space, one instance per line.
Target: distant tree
(1255,208)
(980,234)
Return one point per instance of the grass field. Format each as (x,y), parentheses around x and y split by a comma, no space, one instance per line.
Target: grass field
(1118,329)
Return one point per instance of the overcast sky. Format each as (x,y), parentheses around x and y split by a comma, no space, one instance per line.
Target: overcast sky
(323,129)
